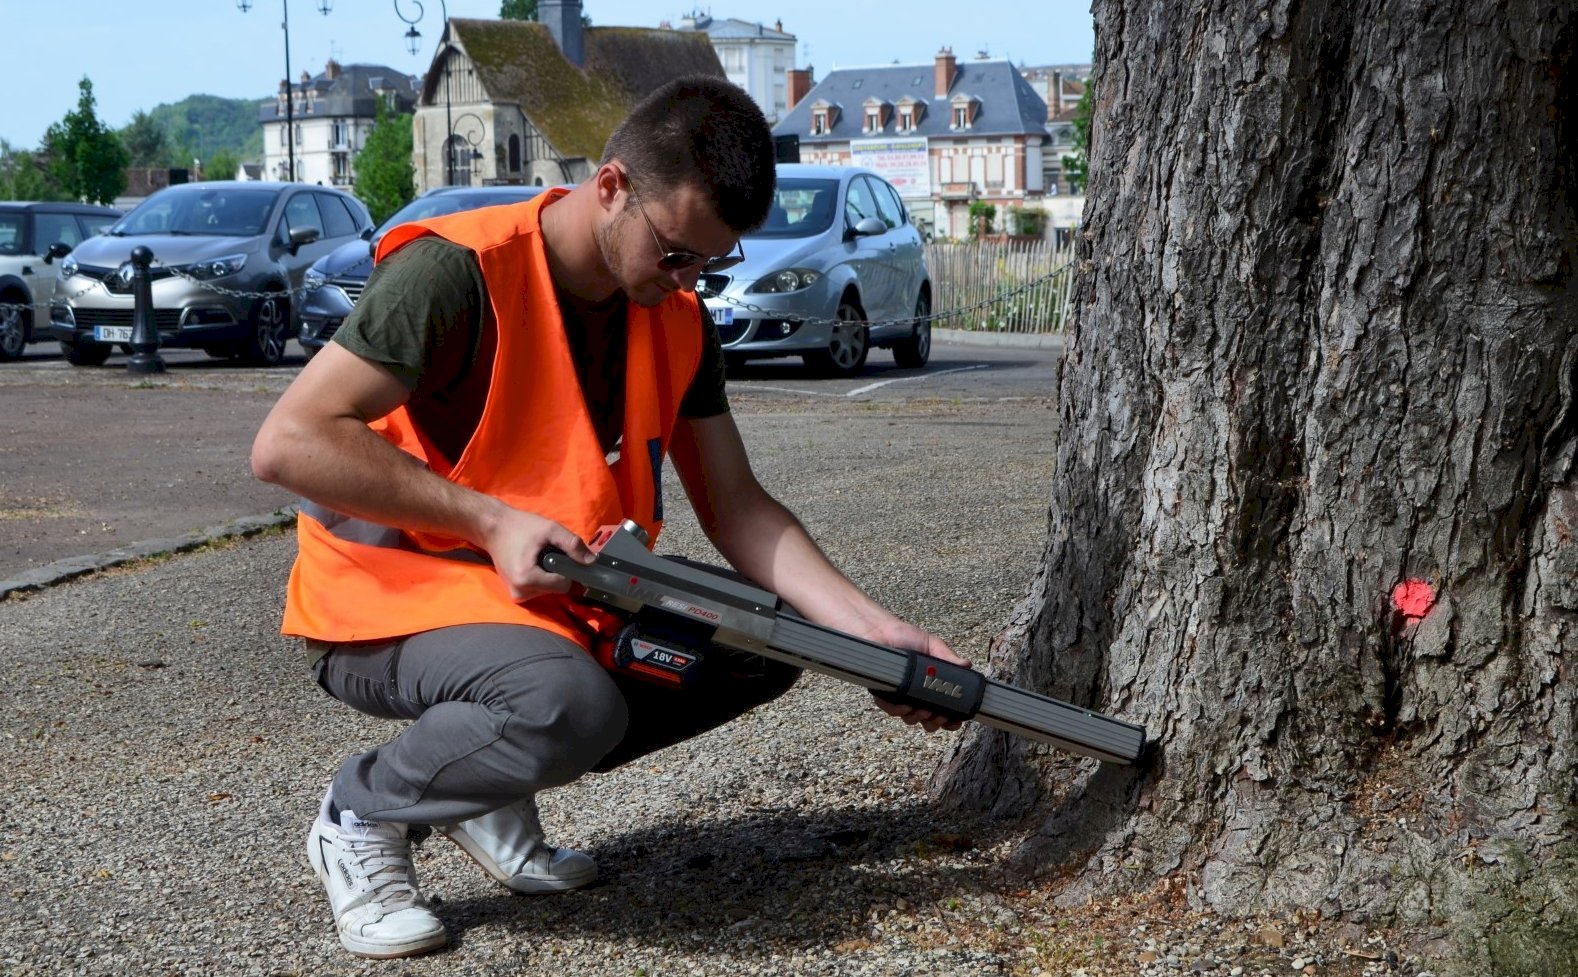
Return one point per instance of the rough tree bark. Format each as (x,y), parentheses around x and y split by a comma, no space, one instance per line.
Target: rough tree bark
(1327,343)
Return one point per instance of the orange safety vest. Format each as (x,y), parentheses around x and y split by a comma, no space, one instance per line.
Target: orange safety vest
(535,448)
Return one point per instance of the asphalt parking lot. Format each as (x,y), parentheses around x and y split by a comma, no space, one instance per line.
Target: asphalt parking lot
(93,460)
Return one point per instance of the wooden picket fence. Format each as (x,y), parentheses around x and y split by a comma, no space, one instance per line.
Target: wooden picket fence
(969,279)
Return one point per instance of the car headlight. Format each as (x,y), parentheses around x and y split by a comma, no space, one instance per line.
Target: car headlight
(788,280)
(216,267)
(314,279)
(68,266)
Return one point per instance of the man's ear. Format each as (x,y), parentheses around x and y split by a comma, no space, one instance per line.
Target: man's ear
(609,181)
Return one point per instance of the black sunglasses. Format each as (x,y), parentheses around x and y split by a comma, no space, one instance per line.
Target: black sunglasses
(679,260)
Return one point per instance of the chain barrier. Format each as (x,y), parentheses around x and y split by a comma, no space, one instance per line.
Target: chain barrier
(933,317)
(702,291)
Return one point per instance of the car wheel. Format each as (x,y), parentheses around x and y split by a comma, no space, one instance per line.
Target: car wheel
(85,352)
(268,331)
(913,351)
(848,345)
(13,326)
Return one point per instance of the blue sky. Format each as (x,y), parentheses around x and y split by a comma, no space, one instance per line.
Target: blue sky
(140,54)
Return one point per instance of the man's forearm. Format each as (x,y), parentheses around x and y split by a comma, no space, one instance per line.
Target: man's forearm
(767,543)
(344,466)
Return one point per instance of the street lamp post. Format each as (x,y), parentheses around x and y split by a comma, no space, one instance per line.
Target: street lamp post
(324,6)
(472,141)
(413,40)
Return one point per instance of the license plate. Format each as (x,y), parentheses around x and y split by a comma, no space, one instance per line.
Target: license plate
(722,315)
(112,334)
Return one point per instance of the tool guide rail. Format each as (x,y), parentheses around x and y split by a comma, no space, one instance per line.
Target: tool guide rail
(630,578)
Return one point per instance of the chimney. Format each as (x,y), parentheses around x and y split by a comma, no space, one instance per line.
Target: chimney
(779,26)
(1055,103)
(331,70)
(945,71)
(563,20)
(800,85)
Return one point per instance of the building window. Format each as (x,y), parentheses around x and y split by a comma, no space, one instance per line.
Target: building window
(515,153)
(341,135)
(819,124)
(961,117)
(874,120)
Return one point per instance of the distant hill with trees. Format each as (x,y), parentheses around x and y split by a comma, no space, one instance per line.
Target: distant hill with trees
(206,126)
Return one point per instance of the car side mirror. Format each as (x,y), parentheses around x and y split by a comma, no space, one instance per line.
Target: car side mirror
(57,250)
(367,234)
(869,226)
(300,236)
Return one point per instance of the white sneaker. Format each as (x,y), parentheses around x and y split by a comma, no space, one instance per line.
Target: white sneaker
(508,844)
(365,866)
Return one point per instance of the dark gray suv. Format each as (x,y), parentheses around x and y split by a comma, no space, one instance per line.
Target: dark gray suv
(33,236)
(229,258)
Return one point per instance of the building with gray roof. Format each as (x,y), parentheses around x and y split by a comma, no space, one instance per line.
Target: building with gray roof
(333,113)
(945,134)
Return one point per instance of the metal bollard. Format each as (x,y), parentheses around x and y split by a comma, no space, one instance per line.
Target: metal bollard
(145,358)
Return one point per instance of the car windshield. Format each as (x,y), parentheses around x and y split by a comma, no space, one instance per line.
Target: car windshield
(801,208)
(221,211)
(11,226)
(439,204)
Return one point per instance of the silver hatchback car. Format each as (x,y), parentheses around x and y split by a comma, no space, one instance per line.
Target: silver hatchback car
(229,256)
(836,269)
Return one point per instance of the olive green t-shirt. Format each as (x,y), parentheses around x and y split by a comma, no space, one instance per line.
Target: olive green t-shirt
(423,316)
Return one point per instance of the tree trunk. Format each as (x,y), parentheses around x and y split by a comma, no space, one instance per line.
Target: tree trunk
(1327,344)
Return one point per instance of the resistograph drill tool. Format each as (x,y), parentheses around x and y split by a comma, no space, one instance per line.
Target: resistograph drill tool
(678,608)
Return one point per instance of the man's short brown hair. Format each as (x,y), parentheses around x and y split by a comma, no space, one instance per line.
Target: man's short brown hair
(705,131)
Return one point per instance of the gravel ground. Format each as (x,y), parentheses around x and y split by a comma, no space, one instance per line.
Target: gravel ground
(165,753)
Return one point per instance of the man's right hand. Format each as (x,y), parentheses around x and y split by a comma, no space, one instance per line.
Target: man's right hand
(516,541)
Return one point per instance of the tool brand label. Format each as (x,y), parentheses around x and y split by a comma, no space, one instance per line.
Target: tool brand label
(935,684)
(658,655)
(690,610)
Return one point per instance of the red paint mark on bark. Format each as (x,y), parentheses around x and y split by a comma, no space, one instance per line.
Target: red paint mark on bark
(1413,598)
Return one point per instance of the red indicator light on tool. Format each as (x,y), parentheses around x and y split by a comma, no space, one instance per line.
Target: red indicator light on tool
(634,581)
(931,670)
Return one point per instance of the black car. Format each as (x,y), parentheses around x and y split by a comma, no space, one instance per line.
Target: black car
(32,237)
(335,281)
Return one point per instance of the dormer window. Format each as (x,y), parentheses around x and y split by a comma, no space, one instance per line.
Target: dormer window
(876,113)
(910,112)
(824,116)
(964,110)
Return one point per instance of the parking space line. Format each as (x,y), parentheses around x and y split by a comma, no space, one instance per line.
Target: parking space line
(790,390)
(924,376)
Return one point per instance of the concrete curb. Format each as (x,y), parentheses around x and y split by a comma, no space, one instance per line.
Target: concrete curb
(969,337)
(77,566)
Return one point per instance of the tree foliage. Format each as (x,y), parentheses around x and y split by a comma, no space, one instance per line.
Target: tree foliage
(21,176)
(144,141)
(86,158)
(202,126)
(527,10)
(1076,166)
(222,165)
(385,178)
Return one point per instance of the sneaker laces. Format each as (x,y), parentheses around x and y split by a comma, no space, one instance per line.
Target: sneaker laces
(386,864)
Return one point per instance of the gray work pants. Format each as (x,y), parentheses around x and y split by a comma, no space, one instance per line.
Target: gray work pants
(502,711)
